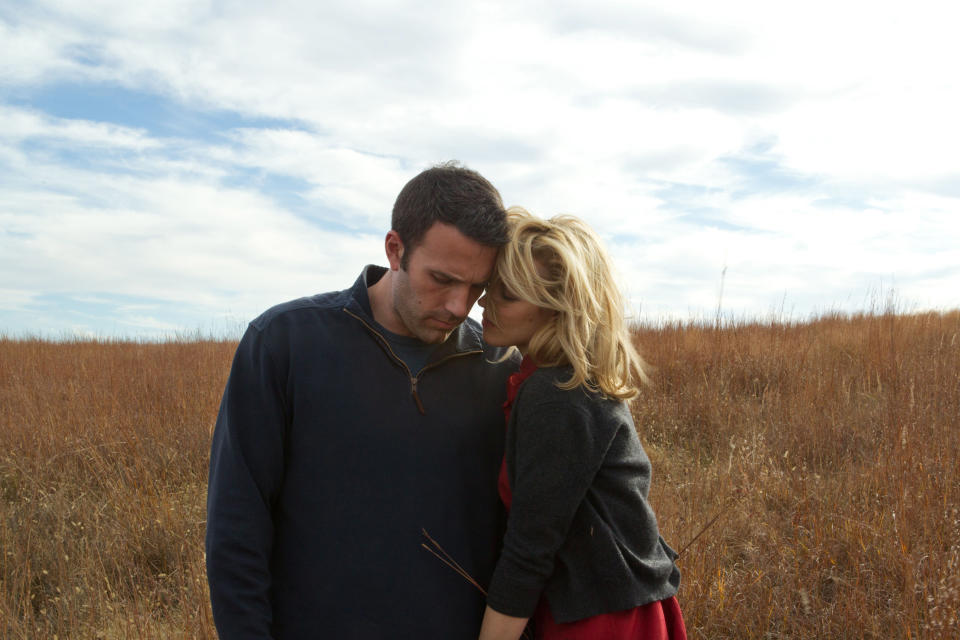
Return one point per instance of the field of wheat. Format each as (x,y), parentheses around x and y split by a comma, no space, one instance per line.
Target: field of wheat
(808,471)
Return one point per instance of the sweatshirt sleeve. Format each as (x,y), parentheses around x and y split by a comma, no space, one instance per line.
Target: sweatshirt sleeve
(554,450)
(246,471)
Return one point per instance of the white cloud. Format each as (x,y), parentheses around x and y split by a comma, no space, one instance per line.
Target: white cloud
(15,299)
(357,188)
(18,125)
(175,236)
(196,244)
(28,50)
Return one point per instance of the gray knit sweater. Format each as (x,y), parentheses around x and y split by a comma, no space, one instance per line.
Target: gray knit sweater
(580,529)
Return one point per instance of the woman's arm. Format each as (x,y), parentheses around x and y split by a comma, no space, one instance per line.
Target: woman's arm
(498,626)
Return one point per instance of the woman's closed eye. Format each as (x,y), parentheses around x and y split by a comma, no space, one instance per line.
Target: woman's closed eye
(506,294)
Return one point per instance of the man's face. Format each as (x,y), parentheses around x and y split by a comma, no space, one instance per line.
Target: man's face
(445,275)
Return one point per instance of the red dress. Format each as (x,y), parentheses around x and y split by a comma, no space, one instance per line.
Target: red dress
(660,620)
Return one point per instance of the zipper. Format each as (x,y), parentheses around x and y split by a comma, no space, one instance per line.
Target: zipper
(414,379)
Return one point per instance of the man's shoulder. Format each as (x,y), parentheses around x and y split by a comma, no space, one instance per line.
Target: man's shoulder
(308,305)
(506,358)
(471,334)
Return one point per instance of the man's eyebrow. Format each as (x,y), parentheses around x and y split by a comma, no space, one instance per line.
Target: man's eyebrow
(447,276)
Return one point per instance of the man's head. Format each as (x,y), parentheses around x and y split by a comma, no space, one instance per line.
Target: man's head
(453,195)
(448,223)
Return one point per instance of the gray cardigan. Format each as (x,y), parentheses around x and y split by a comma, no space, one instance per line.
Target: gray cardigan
(580,529)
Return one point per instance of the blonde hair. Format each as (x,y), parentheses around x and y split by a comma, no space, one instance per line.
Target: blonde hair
(560,264)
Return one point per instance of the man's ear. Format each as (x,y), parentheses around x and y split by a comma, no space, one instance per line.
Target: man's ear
(394,247)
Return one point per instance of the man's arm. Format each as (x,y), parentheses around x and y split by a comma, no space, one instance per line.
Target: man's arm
(246,471)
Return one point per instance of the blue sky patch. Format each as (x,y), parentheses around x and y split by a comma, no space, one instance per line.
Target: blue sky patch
(686,201)
(293,194)
(759,173)
(156,114)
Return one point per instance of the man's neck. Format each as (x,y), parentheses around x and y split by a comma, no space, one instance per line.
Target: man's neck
(381,304)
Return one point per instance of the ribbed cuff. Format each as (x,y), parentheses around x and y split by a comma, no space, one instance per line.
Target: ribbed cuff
(513,597)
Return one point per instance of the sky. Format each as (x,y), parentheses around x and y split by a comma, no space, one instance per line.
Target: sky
(175,168)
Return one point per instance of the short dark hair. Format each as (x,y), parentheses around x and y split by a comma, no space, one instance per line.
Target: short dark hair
(452,194)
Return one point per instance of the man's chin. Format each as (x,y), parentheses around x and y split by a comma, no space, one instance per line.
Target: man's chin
(436,334)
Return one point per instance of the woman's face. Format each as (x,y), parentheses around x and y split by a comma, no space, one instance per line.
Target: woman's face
(517,320)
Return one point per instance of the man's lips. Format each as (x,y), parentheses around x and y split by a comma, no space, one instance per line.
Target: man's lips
(446,324)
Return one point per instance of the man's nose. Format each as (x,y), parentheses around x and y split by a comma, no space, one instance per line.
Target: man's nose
(459,301)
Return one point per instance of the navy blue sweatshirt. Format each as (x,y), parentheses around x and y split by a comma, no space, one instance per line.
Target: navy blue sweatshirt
(328,458)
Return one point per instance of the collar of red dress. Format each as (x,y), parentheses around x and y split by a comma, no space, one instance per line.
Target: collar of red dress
(527,367)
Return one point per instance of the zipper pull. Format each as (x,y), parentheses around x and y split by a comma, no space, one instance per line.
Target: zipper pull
(416,396)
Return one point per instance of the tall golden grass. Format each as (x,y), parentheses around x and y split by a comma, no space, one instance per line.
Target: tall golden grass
(103,459)
(829,449)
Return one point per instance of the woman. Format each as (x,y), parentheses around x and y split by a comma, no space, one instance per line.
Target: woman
(582,554)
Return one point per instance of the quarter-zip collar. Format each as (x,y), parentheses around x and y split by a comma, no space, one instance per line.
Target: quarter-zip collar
(463,341)
(465,338)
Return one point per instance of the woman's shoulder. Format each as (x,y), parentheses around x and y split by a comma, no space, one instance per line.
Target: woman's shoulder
(542,407)
(543,386)
(543,383)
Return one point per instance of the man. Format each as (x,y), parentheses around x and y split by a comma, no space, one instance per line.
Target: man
(353,420)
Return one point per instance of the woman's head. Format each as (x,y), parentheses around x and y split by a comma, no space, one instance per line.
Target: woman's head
(553,294)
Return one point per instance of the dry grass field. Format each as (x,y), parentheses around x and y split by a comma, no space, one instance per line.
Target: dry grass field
(828,452)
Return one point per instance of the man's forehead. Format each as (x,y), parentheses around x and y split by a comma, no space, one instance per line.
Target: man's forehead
(475,270)
(447,251)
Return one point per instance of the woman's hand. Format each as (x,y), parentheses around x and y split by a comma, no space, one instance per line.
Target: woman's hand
(497,626)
